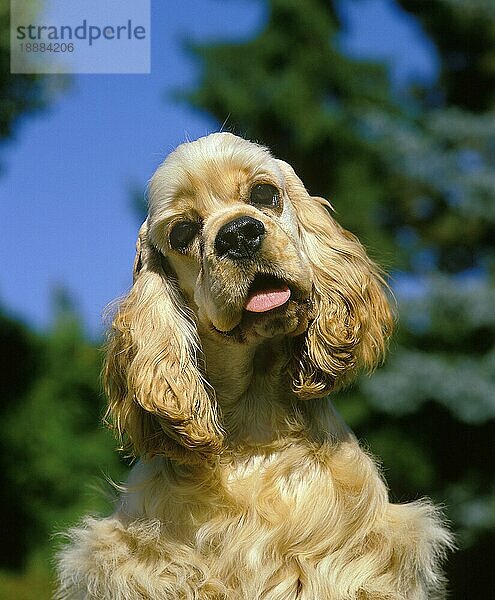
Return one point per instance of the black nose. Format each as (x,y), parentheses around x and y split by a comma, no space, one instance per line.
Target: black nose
(240,238)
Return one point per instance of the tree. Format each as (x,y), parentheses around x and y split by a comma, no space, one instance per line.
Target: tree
(412,176)
(291,89)
(52,451)
(19,93)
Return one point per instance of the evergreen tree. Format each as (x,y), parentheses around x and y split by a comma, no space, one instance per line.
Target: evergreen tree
(53,456)
(293,90)
(20,93)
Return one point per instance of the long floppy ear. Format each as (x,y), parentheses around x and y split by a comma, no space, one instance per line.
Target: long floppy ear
(351,318)
(157,395)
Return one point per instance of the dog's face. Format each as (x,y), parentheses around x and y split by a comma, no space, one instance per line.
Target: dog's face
(221,214)
(235,247)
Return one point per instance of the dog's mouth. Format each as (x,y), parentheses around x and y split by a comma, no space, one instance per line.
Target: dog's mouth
(273,305)
(266,293)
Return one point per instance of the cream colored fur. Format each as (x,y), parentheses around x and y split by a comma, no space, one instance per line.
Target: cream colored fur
(249,485)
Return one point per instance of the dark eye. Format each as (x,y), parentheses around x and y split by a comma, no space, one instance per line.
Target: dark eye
(264,194)
(182,234)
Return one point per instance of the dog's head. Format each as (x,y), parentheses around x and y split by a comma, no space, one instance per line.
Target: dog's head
(235,247)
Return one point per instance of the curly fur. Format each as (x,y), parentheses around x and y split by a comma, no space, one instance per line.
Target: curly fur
(249,485)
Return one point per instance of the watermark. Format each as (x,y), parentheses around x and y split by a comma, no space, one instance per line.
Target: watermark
(80,36)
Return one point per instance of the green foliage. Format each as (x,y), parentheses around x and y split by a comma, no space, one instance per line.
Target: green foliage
(21,93)
(440,166)
(294,91)
(34,583)
(53,456)
(463,32)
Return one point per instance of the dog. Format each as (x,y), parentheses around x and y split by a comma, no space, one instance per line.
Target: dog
(250,304)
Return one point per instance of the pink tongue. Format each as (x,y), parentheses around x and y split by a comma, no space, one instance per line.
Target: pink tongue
(267,299)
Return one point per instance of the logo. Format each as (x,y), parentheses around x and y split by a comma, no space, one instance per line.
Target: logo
(69,36)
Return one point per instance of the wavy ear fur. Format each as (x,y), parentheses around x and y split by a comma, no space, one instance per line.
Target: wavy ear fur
(352,320)
(157,395)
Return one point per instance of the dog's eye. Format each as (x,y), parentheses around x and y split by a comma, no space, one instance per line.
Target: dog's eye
(264,194)
(182,234)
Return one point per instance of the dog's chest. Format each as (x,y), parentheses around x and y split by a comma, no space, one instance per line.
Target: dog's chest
(272,488)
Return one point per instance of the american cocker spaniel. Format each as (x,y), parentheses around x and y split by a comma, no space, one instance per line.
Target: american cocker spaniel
(250,304)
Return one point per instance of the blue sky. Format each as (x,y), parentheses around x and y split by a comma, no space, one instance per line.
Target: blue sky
(67,176)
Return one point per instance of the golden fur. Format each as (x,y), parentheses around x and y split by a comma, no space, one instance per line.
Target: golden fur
(249,485)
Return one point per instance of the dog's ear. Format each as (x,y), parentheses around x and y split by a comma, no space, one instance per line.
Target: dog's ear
(157,395)
(351,318)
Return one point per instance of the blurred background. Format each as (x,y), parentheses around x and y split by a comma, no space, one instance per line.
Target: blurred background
(387,108)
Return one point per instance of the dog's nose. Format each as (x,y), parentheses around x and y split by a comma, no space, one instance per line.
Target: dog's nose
(239,238)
